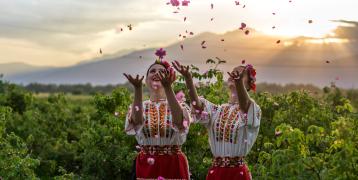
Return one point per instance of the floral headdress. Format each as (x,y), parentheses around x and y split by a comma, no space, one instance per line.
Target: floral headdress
(161,53)
(252,76)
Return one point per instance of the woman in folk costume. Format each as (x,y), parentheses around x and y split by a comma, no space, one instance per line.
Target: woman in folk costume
(232,127)
(159,124)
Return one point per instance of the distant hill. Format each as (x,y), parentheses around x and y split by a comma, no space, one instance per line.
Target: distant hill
(290,61)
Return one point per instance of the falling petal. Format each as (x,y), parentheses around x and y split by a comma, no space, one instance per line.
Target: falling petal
(212,6)
(243,61)
(150,161)
(185,123)
(211,19)
(327,62)
(184,19)
(273,13)
(100,51)
(185,3)
(244,6)
(175,2)
(191,33)
(278,41)
(140,57)
(130,27)
(237,3)
(242,173)
(273,27)
(136,108)
(194,103)
(179,35)
(247,32)
(184,36)
(204,47)
(179,96)
(182,47)
(203,42)
(211,171)
(310,21)
(222,39)
(176,12)
(243,26)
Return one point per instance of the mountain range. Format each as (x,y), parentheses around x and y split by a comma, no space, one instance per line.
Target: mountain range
(301,60)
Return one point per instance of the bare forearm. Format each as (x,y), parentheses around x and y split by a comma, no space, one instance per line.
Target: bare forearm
(243,96)
(176,110)
(137,108)
(192,92)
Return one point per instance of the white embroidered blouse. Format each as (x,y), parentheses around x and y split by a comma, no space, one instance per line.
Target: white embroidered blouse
(157,127)
(231,132)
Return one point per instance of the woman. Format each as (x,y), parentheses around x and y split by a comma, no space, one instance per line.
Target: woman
(159,124)
(232,127)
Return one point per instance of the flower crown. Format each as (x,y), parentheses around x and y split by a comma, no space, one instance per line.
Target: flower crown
(252,76)
(161,53)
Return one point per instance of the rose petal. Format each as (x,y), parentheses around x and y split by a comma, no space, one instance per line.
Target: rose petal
(185,3)
(182,47)
(237,3)
(185,123)
(310,21)
(278,41)
(184,19)
(247,32)
(211,19)
(243,61)
(194,103)
(243,26)
(150,161)
(136,108)
(212,6)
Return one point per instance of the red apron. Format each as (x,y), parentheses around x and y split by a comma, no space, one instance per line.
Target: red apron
(161,162)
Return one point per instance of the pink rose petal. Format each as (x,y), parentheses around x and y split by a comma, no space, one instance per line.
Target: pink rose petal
(237,3)
(211,171)
(185,3)
(161,178)
(243,26)
(175,2)
(150,161)
(185,123)
(242,173)
(194,103)
(179,96)
(136,108)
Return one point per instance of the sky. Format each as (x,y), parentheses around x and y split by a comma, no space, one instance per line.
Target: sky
(66,32)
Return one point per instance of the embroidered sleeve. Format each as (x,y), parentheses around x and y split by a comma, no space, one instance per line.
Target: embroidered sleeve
(209,112)
(130,128)
(187,119)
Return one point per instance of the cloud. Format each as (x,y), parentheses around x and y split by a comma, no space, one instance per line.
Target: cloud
(349,29)
(70,25)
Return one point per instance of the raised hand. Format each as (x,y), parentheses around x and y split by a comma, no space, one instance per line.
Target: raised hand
(237,76)
(183,70)
(136,82)
(167,78)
